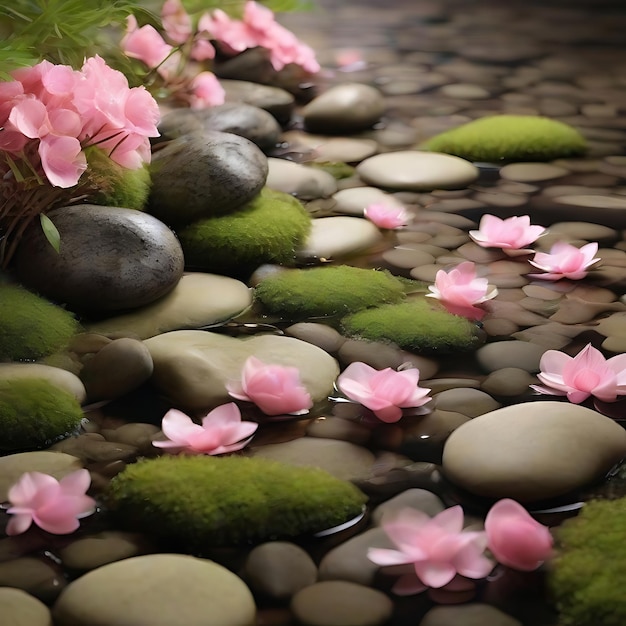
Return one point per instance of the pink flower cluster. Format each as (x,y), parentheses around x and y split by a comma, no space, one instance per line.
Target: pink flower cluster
(61,111)
(440,549)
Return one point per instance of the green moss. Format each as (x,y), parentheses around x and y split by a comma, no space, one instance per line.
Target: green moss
(268,229)
(327,291)
(203,502)
(117,186)
(35,413)
(588,575)
(415,325)
(31,327)
(510,138)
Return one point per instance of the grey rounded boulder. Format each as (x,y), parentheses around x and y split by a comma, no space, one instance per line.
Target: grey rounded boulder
(110,259)
(203,175)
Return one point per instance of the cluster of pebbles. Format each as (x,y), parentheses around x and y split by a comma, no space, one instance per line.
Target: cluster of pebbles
(434,67)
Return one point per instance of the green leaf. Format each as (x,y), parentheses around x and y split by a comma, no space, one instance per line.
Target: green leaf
(50,231)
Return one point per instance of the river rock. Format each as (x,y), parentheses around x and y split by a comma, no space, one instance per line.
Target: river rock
(413,170)
(335,237)
(197,300)
(467,401)
(344,108)
(55,375)
(204,174)
(88,273)
(276,101)
(191,367)
(38,576)
(533,451)
(237,118)
(353,201)
(302,181)
(181,590)
(468,615)
(22,609)
(500,354)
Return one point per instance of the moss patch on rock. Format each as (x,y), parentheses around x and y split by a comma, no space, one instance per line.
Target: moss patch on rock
(507,138)
(327,291)
(414,325)
(587,576)
(268,229)
(203,502)
(117,186)
(34,413)
(31,327)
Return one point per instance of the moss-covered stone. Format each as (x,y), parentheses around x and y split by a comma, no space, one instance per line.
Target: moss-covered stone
(509,138)
(34,413)
(327,291)
(202,502)
(415,325)
(588,575)
(117,186)
(31,327)
(267,229)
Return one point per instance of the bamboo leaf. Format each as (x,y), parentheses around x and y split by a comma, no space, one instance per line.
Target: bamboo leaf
(50,231)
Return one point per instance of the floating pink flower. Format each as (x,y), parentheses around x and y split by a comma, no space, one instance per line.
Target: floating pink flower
(515,539)
(53,505)
(385,216)
(513,233)
(385,392)
(565,261)
(438,549)
(459,290)
(221,431)
(586,374)
(275,389)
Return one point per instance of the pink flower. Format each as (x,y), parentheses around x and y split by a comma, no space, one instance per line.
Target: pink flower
(176,21)
(515,539)
(53,505)
(459,290)
(221,431)
(145,44)
(385,216)
(512,233)
(233,34)
(565,261)
(586,374)
(206,91)
(385,392)
(438,549)
(275,389)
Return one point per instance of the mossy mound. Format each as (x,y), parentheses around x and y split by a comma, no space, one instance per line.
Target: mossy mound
(31,327)
(327,291)
(510,138)
(117,186)
(202,502)
(34,413)
(414,325)
(268,229)
(588,575)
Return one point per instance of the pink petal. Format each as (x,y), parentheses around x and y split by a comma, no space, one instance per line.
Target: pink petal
(178,427)
(576,397)
(223,415)
(30,117)
(19,523)
(383,557)
(434,574)
(554,362)
(62,159)
(450,519)
(389,414)
(548,390)
(471,562)
(33,489)
(77,483)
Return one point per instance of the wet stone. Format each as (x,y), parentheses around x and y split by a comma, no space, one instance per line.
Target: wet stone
(468,615)
(277,101)
(42,579)
(320,335)
(532,172)
(353,201)
(508,381)
(418,499)
(500,354)
(22,609)
(304,182)
(338,428)
(468,401)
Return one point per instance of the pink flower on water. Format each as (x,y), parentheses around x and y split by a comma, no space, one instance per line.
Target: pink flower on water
(438,549)
(586,374)
(515,539)
(275,389)
(144,44)
(513,233)
(221,431)
(385,216)
(459,290)
(385,392)
(565,261)
(206,91)
(53,505)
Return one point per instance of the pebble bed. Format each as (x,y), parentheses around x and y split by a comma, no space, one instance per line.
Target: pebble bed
(437,65)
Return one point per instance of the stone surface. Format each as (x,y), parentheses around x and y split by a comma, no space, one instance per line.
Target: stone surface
(418,499)
(533,451)
(204,174)
(302,181)
(157,589)
(467,401)
(274,100)
(500,354)
(468,615)
(38,576)
(19,608)
(417,171)
(341,603)
(55,375)
(344,108)
(353,201)
(192,367)
(532,172)
(88,274)
(197,300)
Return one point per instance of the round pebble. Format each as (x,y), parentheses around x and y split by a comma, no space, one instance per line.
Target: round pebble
(532,172)
(19,608)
